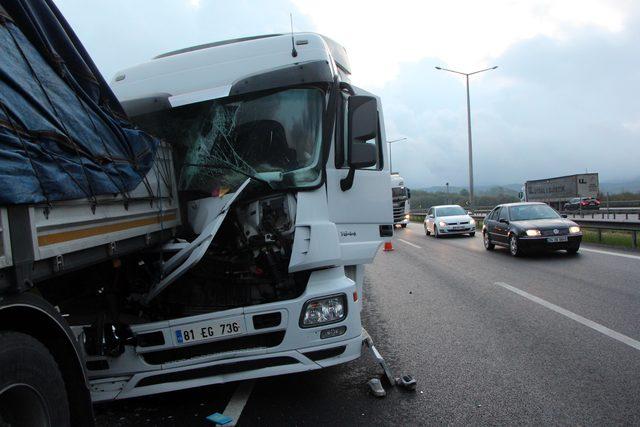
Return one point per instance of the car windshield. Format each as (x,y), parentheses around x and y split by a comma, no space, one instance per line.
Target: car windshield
(450,211)
(273,137)
(529,212)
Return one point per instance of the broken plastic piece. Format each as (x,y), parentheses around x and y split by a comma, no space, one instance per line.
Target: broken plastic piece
(407,382)
(376,387)
(219,418)
(369,343)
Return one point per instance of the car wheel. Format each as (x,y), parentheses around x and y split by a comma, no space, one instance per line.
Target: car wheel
(514,247)
(426,230)
(435,232)
(32,391)
(472,234)
(573,250)
(403,225)
(487,242)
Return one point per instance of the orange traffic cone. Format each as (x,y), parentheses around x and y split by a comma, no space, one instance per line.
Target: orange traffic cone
(388,246)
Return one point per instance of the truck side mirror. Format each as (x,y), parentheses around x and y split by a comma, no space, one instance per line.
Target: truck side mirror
(362,125)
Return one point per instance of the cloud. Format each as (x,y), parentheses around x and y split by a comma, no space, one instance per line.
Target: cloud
(121,33)
(562,101)
(554,107)
(381,37)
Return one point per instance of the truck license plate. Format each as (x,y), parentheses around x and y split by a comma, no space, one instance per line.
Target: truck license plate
(556,239)
(209,330)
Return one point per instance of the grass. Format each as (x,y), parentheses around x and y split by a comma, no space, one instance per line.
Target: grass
(611,238)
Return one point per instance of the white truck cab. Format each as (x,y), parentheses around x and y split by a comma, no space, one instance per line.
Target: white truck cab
(284,196)
(400,197)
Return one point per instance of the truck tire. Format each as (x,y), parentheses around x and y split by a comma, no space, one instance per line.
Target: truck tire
(403,225)
(32,391)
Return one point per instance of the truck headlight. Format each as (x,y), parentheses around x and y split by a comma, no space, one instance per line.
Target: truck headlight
(442,224)
(574,229)
(533,233)
(407,216)
(322,311)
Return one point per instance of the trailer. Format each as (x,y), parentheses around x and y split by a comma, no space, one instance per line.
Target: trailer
(556,191)
(229,245)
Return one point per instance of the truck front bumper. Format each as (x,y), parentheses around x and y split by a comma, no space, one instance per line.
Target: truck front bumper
(259,352)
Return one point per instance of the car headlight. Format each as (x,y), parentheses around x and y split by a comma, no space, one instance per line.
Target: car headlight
(442,224)
(533,233)
(323,311)
(574,229)
(472,221)
(407,216)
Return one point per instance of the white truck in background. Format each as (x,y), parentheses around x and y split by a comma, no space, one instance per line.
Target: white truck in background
(401,196)
(242,253)
(559,190)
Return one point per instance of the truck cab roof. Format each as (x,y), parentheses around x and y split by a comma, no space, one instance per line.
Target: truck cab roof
(209,71)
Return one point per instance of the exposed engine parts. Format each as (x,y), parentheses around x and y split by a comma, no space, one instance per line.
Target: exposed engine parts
(246,264)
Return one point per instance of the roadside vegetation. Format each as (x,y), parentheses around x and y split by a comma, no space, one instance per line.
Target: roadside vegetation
(423,200)
(611,238)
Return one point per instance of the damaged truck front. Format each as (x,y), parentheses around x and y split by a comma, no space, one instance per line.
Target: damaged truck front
(231,247)
(284,197)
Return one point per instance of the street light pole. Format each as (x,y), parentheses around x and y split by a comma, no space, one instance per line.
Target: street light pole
(448,200)
(390,142)
(471,196)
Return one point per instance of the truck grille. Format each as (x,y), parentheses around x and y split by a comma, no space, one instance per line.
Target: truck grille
(398,211)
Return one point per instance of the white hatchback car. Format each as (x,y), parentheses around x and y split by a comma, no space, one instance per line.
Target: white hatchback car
(448,219)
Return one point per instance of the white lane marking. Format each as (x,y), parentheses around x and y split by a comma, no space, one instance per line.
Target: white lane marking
(238,401)
(610,253)
(410,244)
(586,322)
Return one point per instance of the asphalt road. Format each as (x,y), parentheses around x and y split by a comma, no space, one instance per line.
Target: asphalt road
(491,339)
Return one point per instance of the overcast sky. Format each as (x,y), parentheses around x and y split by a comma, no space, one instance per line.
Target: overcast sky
(564,99)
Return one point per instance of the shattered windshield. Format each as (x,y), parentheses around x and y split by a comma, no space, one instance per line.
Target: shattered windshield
(273,137)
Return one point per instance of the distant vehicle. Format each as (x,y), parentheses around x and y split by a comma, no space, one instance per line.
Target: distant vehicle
(578,203)
(559,190)
(400,196)
(447,220)
(529,226)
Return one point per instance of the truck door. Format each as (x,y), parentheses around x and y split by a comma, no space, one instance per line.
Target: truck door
(359,198)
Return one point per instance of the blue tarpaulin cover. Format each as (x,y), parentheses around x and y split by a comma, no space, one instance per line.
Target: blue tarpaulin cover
(63,134)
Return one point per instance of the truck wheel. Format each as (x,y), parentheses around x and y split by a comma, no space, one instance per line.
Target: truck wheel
(32,391)
(403,225)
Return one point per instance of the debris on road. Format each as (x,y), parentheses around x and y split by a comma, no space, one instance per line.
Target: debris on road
(376,387)
(406,382)
(369,343)
(388,246)
(219,419)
